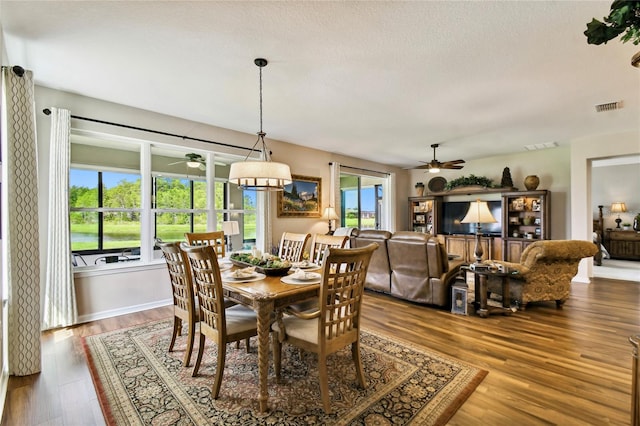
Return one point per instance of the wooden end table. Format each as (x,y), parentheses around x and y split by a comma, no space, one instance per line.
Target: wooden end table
(481,277)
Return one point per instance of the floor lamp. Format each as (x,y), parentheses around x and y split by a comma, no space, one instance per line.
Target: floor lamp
(230,228)
(478,213)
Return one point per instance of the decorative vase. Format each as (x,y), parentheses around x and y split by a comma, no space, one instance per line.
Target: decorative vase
(419,189)
(531,182)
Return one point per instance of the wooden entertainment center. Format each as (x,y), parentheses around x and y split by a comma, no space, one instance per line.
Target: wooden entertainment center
(524,217)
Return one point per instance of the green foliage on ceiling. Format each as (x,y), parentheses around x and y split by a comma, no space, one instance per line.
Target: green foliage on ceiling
(624,18)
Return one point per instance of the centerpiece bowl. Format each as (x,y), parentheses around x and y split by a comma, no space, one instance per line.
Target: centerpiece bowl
(272,266)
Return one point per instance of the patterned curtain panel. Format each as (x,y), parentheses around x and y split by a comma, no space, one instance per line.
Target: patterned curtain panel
(20,244)
(59,295)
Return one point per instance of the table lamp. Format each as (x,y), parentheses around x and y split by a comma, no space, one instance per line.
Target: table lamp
(478,213)
(330,215)
(618,208)
(230,228)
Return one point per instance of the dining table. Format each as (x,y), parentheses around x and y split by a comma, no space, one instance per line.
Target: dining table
(266,296)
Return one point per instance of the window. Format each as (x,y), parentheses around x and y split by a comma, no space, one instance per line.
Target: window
(238,205)
(179,207)
(361,201)
(126,193)
(104,210)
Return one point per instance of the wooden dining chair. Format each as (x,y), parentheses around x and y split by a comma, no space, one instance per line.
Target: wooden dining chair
(184,306)
(220,324)
(211,238)
(321,242)
(292,246)
(336,321)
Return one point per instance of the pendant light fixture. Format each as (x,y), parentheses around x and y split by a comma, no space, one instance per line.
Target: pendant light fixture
(263,174)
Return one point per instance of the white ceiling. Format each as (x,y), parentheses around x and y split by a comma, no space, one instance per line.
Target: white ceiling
(376,80)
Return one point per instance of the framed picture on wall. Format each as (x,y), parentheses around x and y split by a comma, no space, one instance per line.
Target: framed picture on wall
(301,198)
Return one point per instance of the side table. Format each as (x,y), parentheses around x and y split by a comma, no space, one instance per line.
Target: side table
(481,277)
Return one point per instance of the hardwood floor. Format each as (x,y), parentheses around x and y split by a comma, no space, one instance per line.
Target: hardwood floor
(546,366)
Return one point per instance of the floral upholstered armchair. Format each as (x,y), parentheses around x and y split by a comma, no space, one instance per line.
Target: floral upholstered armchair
(546,269)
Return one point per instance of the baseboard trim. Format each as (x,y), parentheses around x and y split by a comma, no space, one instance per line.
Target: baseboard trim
(123,311)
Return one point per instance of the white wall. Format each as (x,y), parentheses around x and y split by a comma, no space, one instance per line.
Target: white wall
(99,294)
(109,293)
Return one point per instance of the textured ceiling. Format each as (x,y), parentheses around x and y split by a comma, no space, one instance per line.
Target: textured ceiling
(376,80)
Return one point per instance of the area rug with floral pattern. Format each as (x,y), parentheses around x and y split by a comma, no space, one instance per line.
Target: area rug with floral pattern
(140,383)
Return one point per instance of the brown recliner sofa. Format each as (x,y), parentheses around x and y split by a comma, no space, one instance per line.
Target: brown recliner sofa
(546,269)
(420,269)
(379,273)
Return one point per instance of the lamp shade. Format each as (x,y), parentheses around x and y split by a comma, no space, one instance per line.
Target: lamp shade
(260,175)
(618,208)
(230,227)
(478,213)
(330,214)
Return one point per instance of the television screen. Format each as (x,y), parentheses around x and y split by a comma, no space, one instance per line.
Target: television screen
(454,211)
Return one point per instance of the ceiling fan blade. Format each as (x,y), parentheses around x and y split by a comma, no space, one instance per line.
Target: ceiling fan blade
(424,166)
(452,167)
(454,162)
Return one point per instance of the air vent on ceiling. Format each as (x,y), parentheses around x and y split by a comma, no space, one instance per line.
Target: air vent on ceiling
(609,106)
(545,145)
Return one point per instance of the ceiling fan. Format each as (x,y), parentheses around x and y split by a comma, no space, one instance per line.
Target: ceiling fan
(434,165)
(193,160)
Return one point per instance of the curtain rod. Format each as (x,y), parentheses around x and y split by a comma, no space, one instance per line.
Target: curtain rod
(17,70)
(364,170)
(47,111)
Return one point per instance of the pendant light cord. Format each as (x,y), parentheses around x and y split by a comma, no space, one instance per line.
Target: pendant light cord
(260,100)
(265,153)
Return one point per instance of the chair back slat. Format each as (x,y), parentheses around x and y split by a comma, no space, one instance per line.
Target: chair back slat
(320,243)
(292,246)
(213,238)
(207,279)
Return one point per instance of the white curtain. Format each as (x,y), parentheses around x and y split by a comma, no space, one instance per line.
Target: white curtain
(334,190)
(21,254)
(59,295)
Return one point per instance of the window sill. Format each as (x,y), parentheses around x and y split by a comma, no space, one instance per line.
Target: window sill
(117,268)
